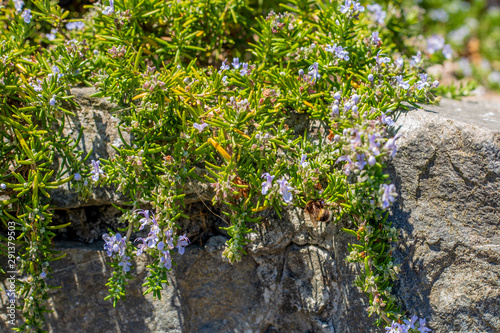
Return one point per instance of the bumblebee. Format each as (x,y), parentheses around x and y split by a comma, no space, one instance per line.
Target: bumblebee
(318,210)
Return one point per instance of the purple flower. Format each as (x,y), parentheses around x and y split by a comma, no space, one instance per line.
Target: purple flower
(125,263)
(97,171)
(169,238)
(75,25)
(360,158)
(268,183)
(355,98)
(303,162)
(447,51)
(337,95)
(313,72)
(224,78)
(370,77)
(224,66)
(435,84)
(356,6)
(244,70)
(389,195)
(403,84)
(109,9)
(394,328)
(3,186)
(435,43)
(387,120)
(26,15)
(200,127)
(341,53)
(423,82)
(43,275)
(285,190)
(335,110)
(166,259)
(182,242)
(348,166)
(381,60)
(345,8)
(372,160)
(141,247)
(416,59)
(390,145)
(422,328)
(236,63)
(374,145)
(146,220)
(375,38)
(301,73)
(399,62)
(52,101)
(114,244)
(18,4)
(411,323)
(78,177)
(378,14)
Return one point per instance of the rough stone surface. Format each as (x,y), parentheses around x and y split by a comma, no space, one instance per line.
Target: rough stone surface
(294,278)
(448,173)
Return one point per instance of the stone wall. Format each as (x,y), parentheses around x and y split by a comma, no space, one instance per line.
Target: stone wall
(294,278)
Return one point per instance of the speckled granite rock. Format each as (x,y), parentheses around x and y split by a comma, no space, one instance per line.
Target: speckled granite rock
(294,278)
(447,171)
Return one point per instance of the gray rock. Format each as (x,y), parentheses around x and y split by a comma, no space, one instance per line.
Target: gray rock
(447,171)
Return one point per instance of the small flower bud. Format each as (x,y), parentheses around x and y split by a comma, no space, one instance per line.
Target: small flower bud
(435,84)
(370,77)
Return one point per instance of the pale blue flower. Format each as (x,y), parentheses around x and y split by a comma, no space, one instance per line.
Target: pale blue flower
(337,95)
(285,189)
(335,110)
(314,72)
(422,328)
(370,77)
(401,83)
(266,186)
(78,177)
(79,25)
(356,6)
(390,145)
(416,59)
(348,166)
(182,242)
(52,101)
(166,259)
(447,51)
(399,62)
(109,9)
(381,60)
(423,82)
(236,63)
(411,323)
(169,238)
(303,162)
(26,15)
(97,172)
(43,275)
(378,14)
(435,84)
(18,4)
(389,195)
(375,39)
(200,127)
(125,263)
(3,186)
(224,67)
(372,160)
(345,8)
(244,70)
(141,247)
(435,43)
(374,145)
(360,161)
(387,120)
